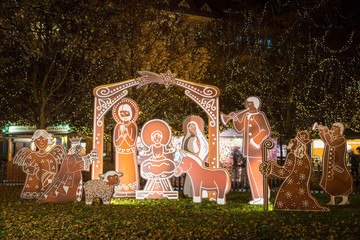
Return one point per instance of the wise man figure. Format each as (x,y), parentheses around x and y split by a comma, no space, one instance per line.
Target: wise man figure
(294,193)
(68,184)
(255,128)
(336,180)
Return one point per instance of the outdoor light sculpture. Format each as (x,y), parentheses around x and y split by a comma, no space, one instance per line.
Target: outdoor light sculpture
(336,179)
(68,184)
(194,141)
(40,167)
(102,188)
(203,178)
(205,96)
(126,113)
(294,193)
(158,165)
(255,127)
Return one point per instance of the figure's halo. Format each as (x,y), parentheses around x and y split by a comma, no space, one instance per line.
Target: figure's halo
(197,119)
(152,126)
(134,108)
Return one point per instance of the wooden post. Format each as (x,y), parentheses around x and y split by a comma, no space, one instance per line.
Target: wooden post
(267,144)
(9,150)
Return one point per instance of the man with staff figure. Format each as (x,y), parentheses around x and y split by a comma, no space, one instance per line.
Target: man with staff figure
(255,128)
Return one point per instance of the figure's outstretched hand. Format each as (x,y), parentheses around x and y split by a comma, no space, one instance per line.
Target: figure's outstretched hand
(143,153)
(265,168)
(93,155)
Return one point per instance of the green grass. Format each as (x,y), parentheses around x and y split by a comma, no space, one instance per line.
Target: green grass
(171,219)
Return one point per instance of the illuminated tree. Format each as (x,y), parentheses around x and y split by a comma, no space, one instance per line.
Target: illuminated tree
(301,59)
(280,52)
(47,67)
(54,53)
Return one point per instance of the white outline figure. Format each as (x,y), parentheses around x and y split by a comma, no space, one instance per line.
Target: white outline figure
(41,167)
(125,113)
(68,184)
(294,193)
(194,141)
(255,127)
(159,167)
(336,179)
(203,178)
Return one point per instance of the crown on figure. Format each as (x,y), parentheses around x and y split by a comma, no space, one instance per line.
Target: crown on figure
(303,136)
(75,140)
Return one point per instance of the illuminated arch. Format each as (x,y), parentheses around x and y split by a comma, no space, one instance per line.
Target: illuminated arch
(106,96)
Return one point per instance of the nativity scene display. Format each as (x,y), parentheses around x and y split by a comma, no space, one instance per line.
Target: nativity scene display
(54,174)
(158,164)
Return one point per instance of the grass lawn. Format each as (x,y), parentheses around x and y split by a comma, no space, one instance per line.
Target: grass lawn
(172,219)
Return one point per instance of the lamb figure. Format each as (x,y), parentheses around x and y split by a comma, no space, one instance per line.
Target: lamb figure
(102,188)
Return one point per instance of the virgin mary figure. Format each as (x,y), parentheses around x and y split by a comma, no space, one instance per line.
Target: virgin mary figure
(195,142)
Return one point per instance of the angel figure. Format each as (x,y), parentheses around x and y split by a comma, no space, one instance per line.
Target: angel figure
(40,166)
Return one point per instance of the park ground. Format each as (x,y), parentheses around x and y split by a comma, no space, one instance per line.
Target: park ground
(171,219)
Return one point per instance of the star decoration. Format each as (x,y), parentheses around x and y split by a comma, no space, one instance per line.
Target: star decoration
(280,204)
(302,177)
(281,172)
(300,162)
(289,162)
(167,79)
(147,78)
(288,194)
(290,181)
(301,191)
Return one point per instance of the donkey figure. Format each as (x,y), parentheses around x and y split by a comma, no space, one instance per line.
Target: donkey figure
(203,178)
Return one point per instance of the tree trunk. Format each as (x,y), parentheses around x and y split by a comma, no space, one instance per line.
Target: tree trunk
(42,123)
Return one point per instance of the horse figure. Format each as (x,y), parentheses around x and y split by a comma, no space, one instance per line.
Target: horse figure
(203,178)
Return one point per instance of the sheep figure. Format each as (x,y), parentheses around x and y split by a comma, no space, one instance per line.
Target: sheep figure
(102,188)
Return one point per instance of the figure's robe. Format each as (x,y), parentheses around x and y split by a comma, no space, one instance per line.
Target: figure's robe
(336,180)
(68,184)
